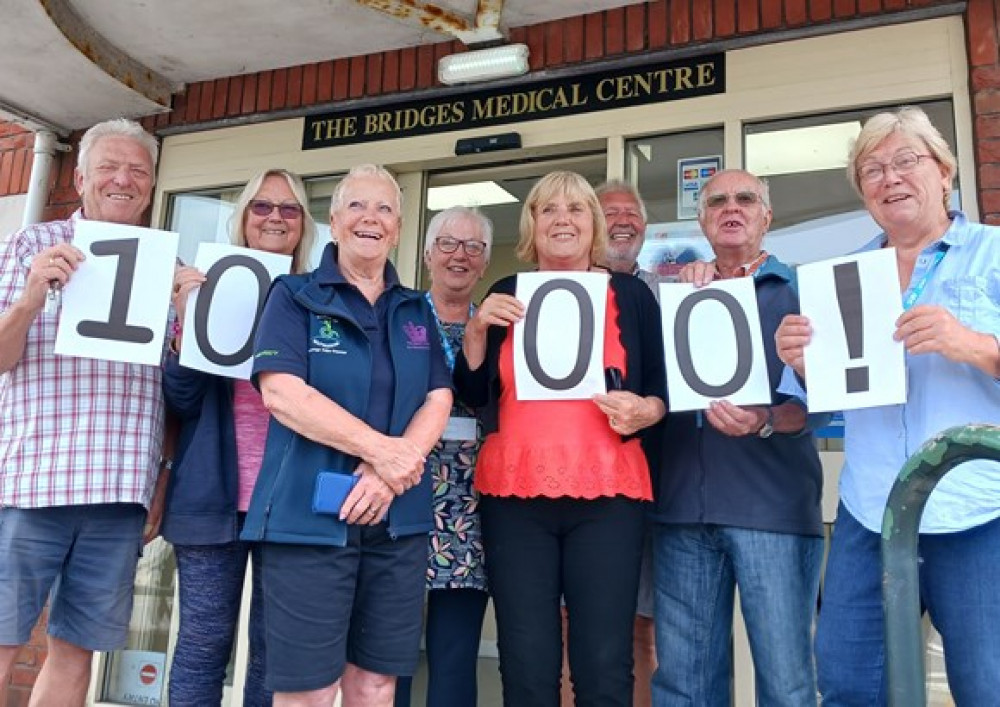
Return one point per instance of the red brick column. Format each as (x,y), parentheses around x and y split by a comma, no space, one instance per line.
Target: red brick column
(16,156)
(983,26)
(29,662)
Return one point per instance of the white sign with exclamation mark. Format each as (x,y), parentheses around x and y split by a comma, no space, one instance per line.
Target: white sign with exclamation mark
(853,303)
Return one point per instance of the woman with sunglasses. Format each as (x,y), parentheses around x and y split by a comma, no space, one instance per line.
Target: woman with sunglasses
(456,252)
(223,425)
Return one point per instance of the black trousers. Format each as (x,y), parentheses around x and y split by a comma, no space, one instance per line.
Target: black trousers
(541,551)
(452,630)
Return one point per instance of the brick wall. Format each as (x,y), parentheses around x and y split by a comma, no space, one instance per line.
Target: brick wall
(15,158)
(29,662)
(652,26)
(982,25)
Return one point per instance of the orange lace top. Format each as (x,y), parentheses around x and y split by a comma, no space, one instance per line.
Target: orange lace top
(556,448)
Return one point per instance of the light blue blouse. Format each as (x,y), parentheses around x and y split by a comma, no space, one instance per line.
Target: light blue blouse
(941,393)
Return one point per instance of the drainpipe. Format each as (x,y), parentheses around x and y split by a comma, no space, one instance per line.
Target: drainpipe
(904,640)
(46,145)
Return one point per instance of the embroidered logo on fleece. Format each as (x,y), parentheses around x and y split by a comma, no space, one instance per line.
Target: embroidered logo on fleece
(326,338)
(416,336)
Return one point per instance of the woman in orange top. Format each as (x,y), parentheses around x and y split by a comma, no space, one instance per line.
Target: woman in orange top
(564,483)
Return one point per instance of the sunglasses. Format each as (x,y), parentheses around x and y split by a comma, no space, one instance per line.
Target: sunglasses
(262,207)
(742,198)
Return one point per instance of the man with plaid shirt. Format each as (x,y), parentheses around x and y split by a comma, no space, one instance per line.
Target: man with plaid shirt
(79,437)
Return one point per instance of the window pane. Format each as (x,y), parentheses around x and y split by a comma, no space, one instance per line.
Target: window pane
(204,216)
(668,171)
(817,215)
(136,675)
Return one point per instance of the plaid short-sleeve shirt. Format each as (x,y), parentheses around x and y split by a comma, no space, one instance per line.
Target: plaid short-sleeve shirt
(72,430)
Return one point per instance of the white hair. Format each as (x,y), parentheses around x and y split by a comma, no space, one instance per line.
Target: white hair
(116,127)
(457,213)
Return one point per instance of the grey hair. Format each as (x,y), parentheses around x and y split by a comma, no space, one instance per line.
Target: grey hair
(365,170)
(620,186)
(117,127)
(237,222)
(457,213)
(763,189)
(909,121)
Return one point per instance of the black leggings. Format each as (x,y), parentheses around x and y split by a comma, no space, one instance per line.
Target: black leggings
(585,552)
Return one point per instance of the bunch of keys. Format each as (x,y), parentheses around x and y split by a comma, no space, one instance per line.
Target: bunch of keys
(54,297)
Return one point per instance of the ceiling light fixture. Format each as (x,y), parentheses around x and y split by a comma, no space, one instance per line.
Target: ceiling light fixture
(484,64)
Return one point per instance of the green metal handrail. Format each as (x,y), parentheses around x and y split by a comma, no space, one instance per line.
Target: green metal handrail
(900,526)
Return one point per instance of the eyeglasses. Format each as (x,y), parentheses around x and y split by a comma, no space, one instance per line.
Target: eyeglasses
(472,248)
(745,199)
(901,163)
(263,207)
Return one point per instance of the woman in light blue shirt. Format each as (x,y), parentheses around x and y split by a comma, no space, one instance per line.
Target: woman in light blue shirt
(949,277)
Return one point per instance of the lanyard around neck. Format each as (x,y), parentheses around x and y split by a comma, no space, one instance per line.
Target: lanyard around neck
(914,292)
(449,351)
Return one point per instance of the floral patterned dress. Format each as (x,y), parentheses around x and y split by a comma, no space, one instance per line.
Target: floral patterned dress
(456,546)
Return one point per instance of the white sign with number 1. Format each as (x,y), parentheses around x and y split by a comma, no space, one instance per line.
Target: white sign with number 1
(115,305)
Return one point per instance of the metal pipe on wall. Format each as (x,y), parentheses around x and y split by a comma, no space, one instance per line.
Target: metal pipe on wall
(46,145)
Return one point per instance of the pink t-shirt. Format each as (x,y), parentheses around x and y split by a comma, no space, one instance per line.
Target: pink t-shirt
(251,418)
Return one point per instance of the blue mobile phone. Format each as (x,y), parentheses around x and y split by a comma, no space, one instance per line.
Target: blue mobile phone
(332,489)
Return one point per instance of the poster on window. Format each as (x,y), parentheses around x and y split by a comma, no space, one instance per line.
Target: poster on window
(692,173)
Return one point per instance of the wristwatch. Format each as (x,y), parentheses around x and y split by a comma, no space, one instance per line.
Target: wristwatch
(767,429)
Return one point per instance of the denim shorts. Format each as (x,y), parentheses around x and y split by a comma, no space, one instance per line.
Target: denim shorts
(327,606)
(83,559)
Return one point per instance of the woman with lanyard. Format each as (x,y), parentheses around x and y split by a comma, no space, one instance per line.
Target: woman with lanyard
(456,252)
(949,277)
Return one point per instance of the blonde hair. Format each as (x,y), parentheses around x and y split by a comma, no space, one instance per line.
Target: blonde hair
(574,187)
(911,122)
(237,222)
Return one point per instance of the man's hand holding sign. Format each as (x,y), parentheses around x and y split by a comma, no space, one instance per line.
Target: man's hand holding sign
(714,349)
